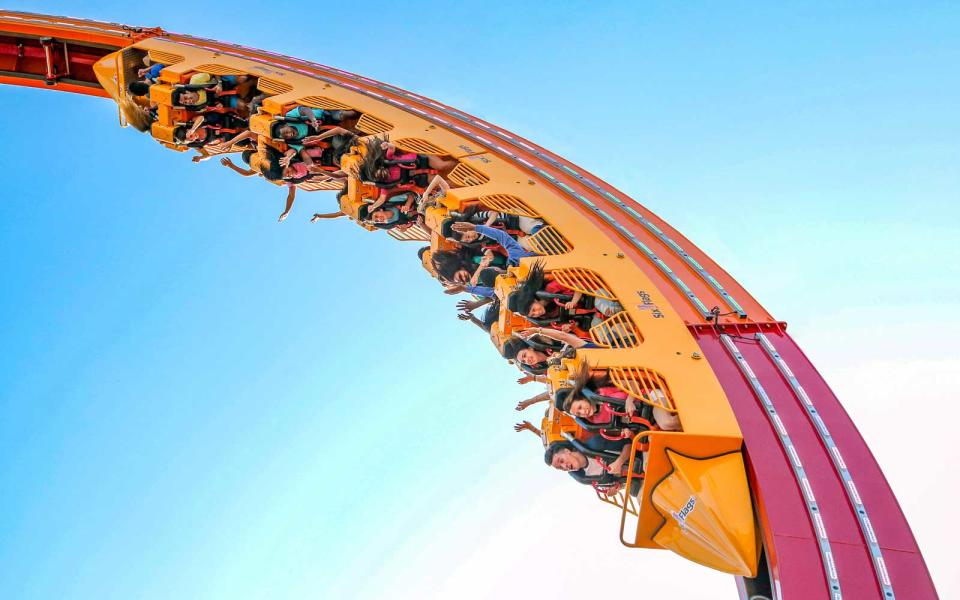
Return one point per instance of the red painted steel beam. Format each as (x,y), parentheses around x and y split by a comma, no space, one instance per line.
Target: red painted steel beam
(52,60)
(902,558)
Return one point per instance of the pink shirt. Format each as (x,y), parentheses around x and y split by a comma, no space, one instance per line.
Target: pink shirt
(300,170)
(612,391)
(394,170)
(603,415)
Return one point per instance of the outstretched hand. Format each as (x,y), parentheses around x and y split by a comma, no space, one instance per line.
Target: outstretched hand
(526,334)
(461,227)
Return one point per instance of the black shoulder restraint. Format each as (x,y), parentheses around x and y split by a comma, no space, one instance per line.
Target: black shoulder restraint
(605,455)
(646,411)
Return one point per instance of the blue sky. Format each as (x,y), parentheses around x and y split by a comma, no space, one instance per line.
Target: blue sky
(198,402)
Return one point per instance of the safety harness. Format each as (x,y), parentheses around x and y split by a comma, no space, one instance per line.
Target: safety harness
(622,423)
(605,480)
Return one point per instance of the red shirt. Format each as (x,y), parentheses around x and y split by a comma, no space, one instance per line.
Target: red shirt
(553,287)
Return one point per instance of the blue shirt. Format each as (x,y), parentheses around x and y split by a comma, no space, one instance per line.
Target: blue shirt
(514,250)
(294,113)
(154,71)
(302,130)
(479,290)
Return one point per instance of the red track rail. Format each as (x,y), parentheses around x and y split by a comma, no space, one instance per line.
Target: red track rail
(790,534)
(902,558)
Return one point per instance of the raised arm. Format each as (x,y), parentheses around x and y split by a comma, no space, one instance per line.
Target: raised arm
(242,172)
(528,426)
(308,115)
(553,334)
(472,305)
(574,300)
(291,196)
(477,290)
(465,316)
(197,122)
(616,467)
(514,250)
(306,158)
(484,263)
(243,135)
(380,201)
(313,139)
(436,182)
(317,216)
(541,397)
(287,157)
(202,155)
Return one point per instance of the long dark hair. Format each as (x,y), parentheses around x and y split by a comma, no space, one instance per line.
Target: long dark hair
(137,116)
(580,379)
(270,166)
(514,345)
(447,263)
(469,213)
(343,147)
(374,158)
(520,300)
(271,169)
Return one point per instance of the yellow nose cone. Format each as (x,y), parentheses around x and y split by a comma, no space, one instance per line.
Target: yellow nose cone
(708,512)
